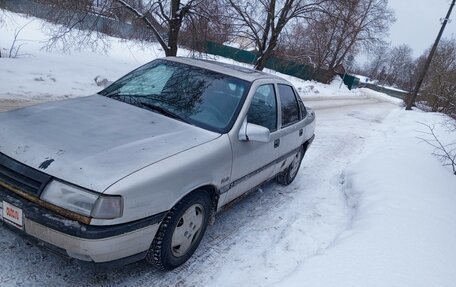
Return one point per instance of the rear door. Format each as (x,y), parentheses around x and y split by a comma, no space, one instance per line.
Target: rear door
(292,113)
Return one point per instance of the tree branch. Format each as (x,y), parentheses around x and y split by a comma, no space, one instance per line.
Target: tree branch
(146,21)
(442,152)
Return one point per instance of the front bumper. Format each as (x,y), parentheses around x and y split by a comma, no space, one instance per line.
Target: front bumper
(122,243)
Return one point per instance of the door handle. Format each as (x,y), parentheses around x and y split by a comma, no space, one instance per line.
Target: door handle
(276,143)
(300,132)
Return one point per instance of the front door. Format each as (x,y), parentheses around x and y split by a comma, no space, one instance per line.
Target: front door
(254,162)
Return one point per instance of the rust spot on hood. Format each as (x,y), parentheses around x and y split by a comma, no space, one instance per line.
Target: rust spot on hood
(45,164)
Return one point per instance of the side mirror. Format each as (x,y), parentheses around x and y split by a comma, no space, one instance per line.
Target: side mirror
(252,132)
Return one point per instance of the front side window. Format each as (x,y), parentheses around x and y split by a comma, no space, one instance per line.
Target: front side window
(288,104)
(195,95)
(263,108)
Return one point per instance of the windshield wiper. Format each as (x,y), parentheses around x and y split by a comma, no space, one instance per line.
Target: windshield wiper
(165,112)
(137,101)
(111,94)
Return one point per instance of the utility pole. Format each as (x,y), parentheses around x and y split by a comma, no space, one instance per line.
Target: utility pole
(429,59)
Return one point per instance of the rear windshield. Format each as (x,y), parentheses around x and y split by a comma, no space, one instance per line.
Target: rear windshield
(191,94)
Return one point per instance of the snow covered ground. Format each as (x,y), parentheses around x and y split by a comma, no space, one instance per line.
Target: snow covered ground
(370,206)
(403,227)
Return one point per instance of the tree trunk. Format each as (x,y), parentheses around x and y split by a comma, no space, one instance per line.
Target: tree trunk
(173,36)
(174,25)
(260,63)
(265,55)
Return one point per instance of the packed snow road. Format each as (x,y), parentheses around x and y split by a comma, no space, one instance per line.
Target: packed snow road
(261,239)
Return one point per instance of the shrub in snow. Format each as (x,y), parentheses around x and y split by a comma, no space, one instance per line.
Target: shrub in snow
(443,151)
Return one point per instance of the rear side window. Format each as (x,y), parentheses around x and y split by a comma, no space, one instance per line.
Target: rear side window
(288,105)
(302,107)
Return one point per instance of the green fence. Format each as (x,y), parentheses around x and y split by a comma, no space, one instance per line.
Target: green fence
(352,82)
(287,67)
(230,52)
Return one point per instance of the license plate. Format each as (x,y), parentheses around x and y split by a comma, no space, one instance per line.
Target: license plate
(12,214)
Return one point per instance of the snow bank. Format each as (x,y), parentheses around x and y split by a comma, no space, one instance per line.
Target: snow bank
(316,89)
(404,230)
(381,96)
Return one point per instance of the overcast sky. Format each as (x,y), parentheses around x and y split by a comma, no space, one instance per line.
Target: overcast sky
(418,23)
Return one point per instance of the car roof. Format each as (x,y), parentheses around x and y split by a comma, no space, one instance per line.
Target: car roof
(224,68)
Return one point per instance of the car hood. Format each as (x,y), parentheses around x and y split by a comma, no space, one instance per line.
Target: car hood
(93,141)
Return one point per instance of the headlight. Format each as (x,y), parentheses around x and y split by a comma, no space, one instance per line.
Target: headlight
(83,201)
(108,207)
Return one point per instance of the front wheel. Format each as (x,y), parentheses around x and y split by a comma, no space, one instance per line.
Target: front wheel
(180,232)
(289,174)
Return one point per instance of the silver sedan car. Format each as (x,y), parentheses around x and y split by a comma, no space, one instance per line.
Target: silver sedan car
(138,170)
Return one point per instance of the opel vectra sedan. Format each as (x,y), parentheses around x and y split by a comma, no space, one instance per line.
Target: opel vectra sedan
(138,170)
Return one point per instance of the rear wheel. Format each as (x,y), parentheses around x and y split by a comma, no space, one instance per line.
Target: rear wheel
(180,232)
(289,174)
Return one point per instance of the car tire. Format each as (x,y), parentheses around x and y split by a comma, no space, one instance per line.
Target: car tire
(289,174)
(180,232)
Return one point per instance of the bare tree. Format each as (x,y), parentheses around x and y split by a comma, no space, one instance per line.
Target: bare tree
(171,13)
(294,46)
(439,87)
(376,62)
(342,28)
(209,22)
(399,66)
(160,20)
(392,66)
(263,21)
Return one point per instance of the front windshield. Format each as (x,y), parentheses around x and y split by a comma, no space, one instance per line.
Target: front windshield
(194,95)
